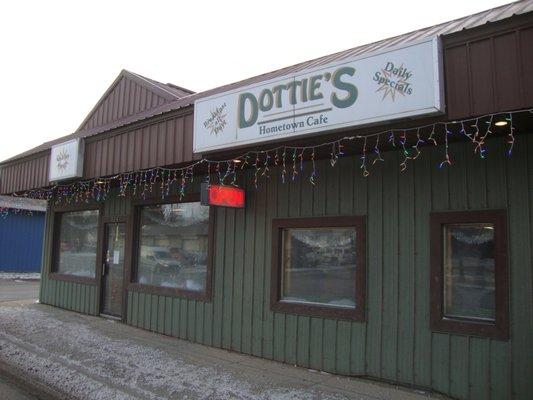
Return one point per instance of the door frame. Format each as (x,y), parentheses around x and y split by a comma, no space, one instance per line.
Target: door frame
(104,220)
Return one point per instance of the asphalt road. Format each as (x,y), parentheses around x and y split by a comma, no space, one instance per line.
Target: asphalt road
(18,290)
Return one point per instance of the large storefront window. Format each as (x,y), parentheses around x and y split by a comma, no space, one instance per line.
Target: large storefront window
(77,243)
(469,273)
(319,266)
(173,246)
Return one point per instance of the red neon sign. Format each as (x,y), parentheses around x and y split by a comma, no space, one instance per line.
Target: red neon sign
(222,196)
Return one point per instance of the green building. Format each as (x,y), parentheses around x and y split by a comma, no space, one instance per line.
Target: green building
(388,219)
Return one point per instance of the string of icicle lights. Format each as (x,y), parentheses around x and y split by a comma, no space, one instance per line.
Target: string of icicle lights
(290,160)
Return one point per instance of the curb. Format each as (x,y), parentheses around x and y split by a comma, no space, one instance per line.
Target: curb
(29,384)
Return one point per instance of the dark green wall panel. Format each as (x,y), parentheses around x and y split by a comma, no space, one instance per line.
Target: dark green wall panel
(68,295)
(395,343)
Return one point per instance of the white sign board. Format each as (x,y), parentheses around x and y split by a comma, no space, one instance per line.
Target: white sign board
(66,160)
(402,82)
(116,257)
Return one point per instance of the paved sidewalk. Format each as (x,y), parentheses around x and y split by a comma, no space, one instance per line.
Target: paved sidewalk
(93,358)
(16,289)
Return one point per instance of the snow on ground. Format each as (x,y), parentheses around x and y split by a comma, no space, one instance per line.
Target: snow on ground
(22,276)
(87,363)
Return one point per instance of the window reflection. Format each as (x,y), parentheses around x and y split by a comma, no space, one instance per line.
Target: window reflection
(319,266)
(77,243)
(173,246)
(469,286)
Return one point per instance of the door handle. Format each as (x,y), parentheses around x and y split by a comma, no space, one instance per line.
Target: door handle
(104,268)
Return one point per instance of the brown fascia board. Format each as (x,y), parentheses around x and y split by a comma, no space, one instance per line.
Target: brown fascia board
(153,112)
(515,22)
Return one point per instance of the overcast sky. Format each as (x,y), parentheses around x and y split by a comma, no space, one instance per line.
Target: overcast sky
(58,57)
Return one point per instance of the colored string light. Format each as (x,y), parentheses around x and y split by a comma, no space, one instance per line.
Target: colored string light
(219,173)
(392,139)
(142,182)
(363,159)
(334,156)
(431,136)
(313,172)
(234,174)
(208,177)
(419,141)
(294,170)
(257,169)
(377,152)
(447,160)
(284,167)
(406,155)
(510,135)
(266,168)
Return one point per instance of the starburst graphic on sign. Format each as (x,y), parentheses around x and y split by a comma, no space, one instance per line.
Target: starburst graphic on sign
(62,160)
(217,121)
(391,87)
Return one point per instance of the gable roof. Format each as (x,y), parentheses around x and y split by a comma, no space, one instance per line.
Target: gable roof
(446,28)
(130,94)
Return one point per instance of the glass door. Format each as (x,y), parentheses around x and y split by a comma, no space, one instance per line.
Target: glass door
(113,268)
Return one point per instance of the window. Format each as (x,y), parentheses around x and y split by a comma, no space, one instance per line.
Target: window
(173,247)
(76,243)
(469,282)
(318,266)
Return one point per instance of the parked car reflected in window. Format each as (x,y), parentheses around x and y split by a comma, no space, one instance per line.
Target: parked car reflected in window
(173,246)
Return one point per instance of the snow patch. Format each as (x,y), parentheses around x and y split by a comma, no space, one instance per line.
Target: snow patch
(87,364)
(20,276)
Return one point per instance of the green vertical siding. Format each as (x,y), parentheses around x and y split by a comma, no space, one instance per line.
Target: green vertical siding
(69,295)
(395,343)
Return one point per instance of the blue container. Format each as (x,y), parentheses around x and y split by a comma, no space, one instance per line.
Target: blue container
(21,242)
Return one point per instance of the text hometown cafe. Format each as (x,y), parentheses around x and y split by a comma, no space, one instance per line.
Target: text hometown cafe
(364,214)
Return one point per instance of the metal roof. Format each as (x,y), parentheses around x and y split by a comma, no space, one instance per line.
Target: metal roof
(446,28)
(177,91)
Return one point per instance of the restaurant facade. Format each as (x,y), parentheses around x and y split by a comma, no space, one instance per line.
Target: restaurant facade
(368,213)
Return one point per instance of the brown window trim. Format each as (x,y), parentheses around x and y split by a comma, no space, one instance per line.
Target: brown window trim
(205,296)
(357,314)
(500,328)
(57,212)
